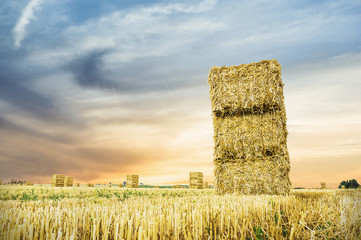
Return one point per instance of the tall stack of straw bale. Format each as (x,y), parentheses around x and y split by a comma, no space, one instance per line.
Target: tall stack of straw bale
(196,180)
(68,181)
(323,185)
(250,134)
(132,181)
(58,180)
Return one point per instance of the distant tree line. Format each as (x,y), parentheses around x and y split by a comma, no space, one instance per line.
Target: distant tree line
(15,181)
(349,184)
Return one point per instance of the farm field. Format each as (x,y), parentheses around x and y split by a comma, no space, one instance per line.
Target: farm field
(115,213)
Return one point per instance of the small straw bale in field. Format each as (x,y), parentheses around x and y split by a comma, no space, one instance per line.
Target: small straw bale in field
(250,134)
(68,181)
(57,180)
(205,185)
(196,180)
(132,181)
(323,185)
(90,185)
(77,184)
(29,183)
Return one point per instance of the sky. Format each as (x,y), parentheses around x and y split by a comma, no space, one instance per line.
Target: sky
(101,89)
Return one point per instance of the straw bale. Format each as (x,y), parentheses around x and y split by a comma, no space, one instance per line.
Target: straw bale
(246,88)
(323,185)
(205,185)
(77,184)
(195,174)
(58,180)
(132,181)
(196,180)
(250,135)
(258,176)
(29,183)
(68,181)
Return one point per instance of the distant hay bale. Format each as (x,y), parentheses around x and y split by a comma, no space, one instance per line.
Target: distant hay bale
(196,180)
(68,181)
(77,184)
(323,185)
(29,183)
(57,180)
(132,181)
(205,185)
(250,135)
(90,185)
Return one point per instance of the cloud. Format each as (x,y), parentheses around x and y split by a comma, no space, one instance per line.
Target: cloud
(26,17)
(88,71)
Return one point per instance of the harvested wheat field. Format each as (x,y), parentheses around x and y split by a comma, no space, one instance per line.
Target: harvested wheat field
(99,213)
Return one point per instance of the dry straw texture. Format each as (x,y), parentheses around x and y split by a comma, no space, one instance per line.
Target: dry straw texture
(246,88)
(323,185)
(250,134)
(196,180)
(58,180)
(132,181)
(154,214)
(68,181)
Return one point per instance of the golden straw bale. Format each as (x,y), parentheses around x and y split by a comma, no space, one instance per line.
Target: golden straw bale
(258,176)
(246,88)
(68,181)
(57,180)
(132,181)
(251,135)
(196,180)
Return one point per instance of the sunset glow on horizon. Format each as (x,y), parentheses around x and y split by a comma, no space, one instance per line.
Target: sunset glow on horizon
(101,89)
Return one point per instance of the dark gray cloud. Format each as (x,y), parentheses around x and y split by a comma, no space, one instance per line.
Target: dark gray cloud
(15,76)
(154,74)
(88,71)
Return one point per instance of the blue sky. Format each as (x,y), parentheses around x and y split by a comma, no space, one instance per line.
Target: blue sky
(99,89)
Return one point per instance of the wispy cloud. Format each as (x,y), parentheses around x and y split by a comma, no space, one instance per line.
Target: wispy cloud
(27,15)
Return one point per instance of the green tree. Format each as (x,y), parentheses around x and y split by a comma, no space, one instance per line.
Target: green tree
(349,184)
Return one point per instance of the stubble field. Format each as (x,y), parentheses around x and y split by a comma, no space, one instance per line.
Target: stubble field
(114,213)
